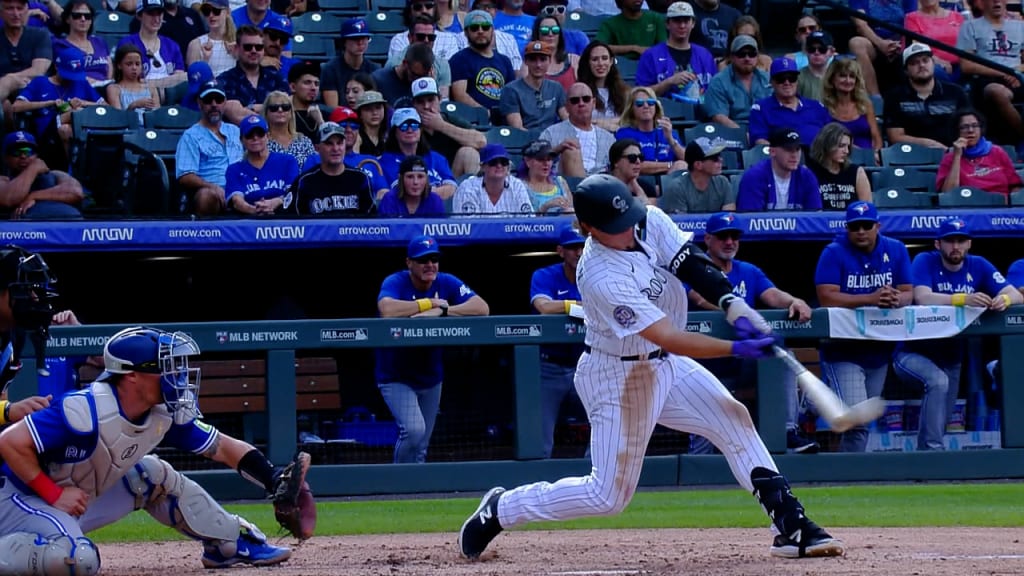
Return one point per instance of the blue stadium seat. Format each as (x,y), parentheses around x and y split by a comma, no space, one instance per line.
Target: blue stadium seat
(347,8)
(170,118)
(912,179)
(734,180)
(386,5)
(513,139)
(588,23)
(755,154)
(731,160)
(966,197)
(864,157)
(376,51)
(313,48)
(627,69)
(317,23)
(904,154)
(385,23)
(1017,199)
(735,137)
(682,114)
(478,116)
(111,23)
(573,182)
(900,198)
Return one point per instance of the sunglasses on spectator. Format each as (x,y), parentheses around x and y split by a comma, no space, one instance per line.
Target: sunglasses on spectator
(727,235)
(817,49)
(552,10)
(433,258)
(577,99)
(419,6)
(785,78)
(641,102)
(276,36)
(252,47)
(479,27)
(807,29)
(206,9)
(550,30)
(860,226)
(212,99)
(254,134)
(81,16)
(409,127)
(747,54)
(421,37)
(349,125)
(286,107)
(24,152)
(152,60)
(633,158)
(499,162)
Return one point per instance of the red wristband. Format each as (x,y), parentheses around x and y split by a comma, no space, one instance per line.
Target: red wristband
(46,488)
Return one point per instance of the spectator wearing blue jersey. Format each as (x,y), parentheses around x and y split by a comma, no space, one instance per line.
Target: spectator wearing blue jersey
(722,238)
(257,13)
(644,121)
(257,184)
(406,139)
(410,379)
(512,20)
(779,182)
(677,68)
(946,276)
(412,195)
(553,290)
(204,153)
(786,108)
(861,267)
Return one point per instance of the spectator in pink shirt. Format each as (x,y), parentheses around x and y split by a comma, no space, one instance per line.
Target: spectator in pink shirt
(975,161)
(932,20)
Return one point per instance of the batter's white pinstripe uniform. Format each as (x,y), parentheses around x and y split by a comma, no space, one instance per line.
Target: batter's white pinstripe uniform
(625,292)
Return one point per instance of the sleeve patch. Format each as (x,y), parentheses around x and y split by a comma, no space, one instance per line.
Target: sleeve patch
(625,316)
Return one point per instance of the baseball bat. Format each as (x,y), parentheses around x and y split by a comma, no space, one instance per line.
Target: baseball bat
(839,416)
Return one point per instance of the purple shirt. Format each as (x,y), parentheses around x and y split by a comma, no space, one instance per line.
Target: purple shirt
(169,52)
(757,190)
(392,205)
(96,63)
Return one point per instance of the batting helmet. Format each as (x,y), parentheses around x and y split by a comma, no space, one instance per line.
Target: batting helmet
(604,202)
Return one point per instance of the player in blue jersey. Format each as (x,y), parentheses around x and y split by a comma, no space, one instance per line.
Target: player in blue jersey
(722,237)
(1015,275)
(861,267)
(84,463)
(553,291)
(410,378)
(258,183)
(947,276)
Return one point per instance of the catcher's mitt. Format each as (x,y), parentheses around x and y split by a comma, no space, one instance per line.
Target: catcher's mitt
(294,506)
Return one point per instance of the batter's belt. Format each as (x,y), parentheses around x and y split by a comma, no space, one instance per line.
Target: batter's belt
(656,355)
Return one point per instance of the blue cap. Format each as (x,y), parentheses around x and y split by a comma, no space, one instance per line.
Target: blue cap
(252,122)
(282,24)
(70,63)
(355,28)
(953,227)
(784,65)
(19,139)
(861,211)
(421,246)
(570,237)
(212,87)
(722,222)
(493,152)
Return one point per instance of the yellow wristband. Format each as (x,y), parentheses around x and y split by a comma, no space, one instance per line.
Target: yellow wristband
(3,412)
(568,305)
(1006,298)
(424,304)
(959,299)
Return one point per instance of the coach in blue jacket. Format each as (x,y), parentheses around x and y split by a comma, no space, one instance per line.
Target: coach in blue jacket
(779,182)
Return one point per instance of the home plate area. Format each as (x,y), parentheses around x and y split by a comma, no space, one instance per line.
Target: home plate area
(653,552)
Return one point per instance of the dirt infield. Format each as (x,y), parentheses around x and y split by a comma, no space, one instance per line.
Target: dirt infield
(870,552)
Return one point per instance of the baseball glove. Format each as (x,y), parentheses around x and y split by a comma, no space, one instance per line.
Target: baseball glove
(294,506)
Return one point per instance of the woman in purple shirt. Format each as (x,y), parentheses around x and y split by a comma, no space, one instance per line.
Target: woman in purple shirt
(78,19)
(412,195)
(846,98)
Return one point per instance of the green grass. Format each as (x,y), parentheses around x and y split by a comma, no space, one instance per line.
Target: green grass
(850,506)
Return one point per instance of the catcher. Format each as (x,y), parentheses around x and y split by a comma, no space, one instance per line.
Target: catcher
(83,463)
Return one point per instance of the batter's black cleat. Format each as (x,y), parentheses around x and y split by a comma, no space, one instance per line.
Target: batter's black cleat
(809,541)
(800,444)
(480,528)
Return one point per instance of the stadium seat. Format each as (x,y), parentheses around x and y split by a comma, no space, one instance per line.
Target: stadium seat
(111,23)
(682,114)
(346,8)
(147,182)
(900,198)
(910,179)
(171,118)
(376,50)
(966,197)
(513,139)
(731,160)
(734,137)
(162,143)
(1017,199)
(388,23)
(573,182)
(734,180)
(864,157)
(312,48)
(627,69)
(386,5)
(478,116)
(111,40)
(588,23)
(317,23)
(903,154)
(754,155)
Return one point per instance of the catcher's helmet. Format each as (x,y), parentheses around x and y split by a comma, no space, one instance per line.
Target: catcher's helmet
(154,351)
(604,202)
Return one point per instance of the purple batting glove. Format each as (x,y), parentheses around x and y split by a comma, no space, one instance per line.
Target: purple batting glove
(745,329)
(753,348)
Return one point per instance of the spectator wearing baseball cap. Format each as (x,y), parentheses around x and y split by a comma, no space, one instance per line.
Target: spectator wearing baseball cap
(820,51)
(405,138)
(336,72)
(495,190)
(212,47)
(534,102)
(657,67)
(447,133)
(331,189)
(479,72)
(549,192)
(365,163)
(785,108)
(422,16)
(182,24)
(934,21)
(410,378)
(276,35)
(162,64)
(424,31)
(860,268)
(920,109)
(412,195)
(779,182)
(702,188)
(631,31)
(395,82)
(47,195)
(257,184)
(733,91)
(204,153)
(713,22)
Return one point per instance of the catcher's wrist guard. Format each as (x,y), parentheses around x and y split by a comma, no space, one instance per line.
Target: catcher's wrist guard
(255,468)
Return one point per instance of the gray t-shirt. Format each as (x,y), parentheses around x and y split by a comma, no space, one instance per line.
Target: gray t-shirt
(1001,45)
(539,109)
(680,195)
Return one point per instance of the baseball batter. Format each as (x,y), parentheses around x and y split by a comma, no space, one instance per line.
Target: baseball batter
(637,371)
(84,462)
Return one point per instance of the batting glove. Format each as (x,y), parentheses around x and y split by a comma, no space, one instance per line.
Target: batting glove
(756,348)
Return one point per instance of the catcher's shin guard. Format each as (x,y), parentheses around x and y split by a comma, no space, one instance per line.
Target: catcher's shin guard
(27,554)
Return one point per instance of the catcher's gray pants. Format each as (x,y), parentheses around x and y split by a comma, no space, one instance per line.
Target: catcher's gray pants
(20,512)
(941,386)
(854,383)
